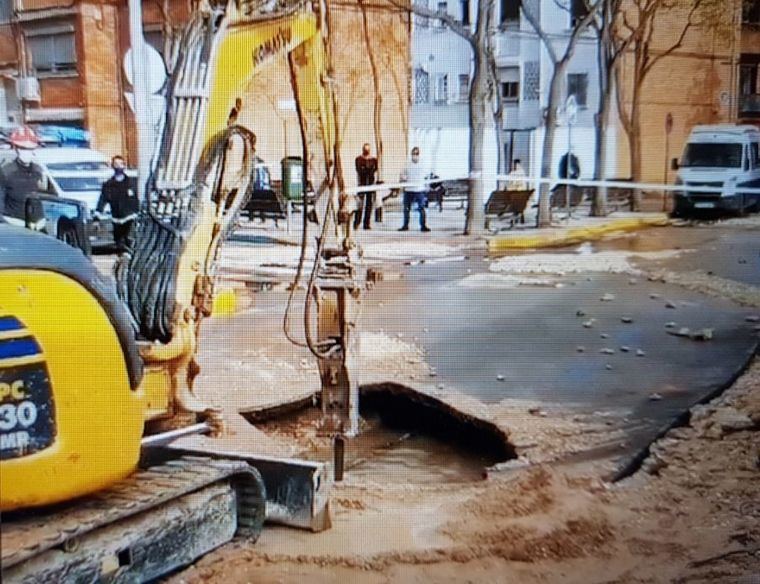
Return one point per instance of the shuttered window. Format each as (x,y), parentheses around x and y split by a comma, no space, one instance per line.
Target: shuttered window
(53,52)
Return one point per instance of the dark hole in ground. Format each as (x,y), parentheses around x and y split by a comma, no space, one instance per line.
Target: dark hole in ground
(406,437)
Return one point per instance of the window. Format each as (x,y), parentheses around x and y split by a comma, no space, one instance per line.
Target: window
(510,91)
(578,11)
(510,11)
(509,84)
(421,86)
(464,88)
(6,10)
(465,11)
(751,12)
(421,20)
(53,52)
(754,154)
(155,39)
(443,8)
(577,84)
(441,89)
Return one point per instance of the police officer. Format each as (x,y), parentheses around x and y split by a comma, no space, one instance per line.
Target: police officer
(20,178)
(119,192)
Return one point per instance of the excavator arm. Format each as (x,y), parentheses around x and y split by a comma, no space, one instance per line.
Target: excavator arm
(198,183)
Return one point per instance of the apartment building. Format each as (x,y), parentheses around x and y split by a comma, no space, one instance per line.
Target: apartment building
(61,62)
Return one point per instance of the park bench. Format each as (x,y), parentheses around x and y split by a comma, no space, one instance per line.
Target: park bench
(507,205)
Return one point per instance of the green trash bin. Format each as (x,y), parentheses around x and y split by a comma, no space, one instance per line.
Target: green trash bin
(292,178)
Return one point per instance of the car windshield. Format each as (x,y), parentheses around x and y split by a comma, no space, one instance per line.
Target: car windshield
(81,165)
(80,183)
(713,155)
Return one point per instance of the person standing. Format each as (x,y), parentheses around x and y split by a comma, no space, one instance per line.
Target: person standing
(366,171)
(20,178)
(120,193)
(414,173)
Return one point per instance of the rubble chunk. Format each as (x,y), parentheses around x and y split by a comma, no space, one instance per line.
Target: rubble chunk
(625,349)
(670,304)
(655,397)
(607,351)
(626,319)
(607,297)
(580,313)
(753,318)
(640,353)
(588,324)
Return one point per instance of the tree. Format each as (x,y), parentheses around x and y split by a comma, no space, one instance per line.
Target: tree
(560,60)
(608,54)
(481,96)
(635,32)
(378,101)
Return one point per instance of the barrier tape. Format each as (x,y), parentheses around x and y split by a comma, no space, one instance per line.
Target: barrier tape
(561,182)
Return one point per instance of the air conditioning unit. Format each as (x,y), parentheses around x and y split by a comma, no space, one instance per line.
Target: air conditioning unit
(28,88)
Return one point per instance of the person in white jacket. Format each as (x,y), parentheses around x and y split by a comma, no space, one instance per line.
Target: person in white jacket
(414,173)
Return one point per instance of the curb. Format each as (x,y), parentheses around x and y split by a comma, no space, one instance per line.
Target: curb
(574,235)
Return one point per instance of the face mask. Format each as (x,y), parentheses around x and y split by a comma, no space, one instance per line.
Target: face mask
(25,156)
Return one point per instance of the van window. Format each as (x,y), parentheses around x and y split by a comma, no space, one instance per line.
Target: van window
(713,155)
(754,154)
(81,165)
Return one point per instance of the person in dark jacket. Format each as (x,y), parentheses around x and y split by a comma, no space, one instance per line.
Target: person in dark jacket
(20,178)
(120,193)
(366,171)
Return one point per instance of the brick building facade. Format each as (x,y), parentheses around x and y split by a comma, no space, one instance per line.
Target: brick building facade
(61,62)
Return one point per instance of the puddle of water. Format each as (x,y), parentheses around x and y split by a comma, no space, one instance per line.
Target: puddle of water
(385,455)
(411,459)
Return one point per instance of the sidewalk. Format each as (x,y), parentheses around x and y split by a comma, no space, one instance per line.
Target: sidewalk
(576,230)
(448,226)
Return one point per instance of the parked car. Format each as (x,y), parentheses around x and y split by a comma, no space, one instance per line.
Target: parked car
(78,174)
(722,157)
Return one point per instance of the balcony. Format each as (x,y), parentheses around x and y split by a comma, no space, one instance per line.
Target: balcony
(749,105)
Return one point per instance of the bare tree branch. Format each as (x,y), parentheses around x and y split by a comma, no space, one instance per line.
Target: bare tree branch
(452,23)
(677,45)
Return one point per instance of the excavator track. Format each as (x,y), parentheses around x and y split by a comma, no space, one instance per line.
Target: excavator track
(156,520)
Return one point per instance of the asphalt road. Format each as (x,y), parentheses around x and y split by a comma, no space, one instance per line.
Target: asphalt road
(523,343)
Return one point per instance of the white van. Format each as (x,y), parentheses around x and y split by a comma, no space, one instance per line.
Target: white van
(724,157)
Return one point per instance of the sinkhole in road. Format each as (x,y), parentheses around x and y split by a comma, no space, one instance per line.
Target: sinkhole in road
(406,437)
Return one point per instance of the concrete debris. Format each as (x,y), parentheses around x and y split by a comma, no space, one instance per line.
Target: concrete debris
(670,324)
(433,374)
(732,420)
(537,412)
(625,349)
(441,386)
(705,334)
(588,324)
(753,318)
(499,377)
(607,297)
(670,304)
(604,336)
(607,351)
(654,296)
(655,397)
(653,465)
(626,319)
(608,367)
(580,349)
(640,353)
(580,313)
(633,281)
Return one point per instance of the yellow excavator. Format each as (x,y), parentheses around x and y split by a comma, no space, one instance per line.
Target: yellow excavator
(97,373)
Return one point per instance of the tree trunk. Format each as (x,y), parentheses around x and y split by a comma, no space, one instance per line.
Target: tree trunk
(479,118)
(378,102)
(635,146)
(550,126)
